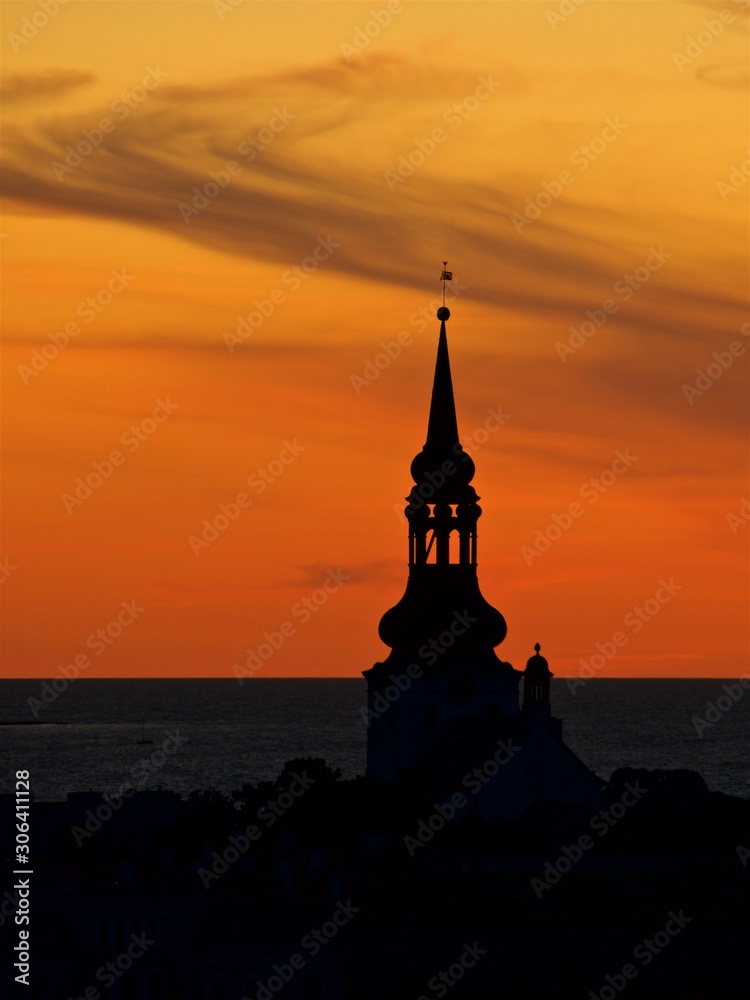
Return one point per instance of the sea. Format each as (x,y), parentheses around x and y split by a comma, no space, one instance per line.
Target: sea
(197,734)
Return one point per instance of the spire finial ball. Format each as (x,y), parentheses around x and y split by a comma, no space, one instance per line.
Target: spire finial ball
(443,313)
(537,647)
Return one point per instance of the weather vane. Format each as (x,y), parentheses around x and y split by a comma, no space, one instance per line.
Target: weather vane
(445,276)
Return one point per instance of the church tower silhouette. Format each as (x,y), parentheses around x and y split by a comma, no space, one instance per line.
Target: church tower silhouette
(443,698)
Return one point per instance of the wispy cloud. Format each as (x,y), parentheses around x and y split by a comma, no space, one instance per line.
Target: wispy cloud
(27,86)
(323,175)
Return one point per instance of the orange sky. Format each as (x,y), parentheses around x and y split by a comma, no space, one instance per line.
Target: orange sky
(626,123)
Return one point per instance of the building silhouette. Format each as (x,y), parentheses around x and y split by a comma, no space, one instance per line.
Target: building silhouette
(442,703)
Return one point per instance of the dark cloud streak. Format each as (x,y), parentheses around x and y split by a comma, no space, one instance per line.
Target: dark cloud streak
(28,86)
(282,202)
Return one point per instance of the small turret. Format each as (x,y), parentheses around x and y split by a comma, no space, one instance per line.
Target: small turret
(536,678)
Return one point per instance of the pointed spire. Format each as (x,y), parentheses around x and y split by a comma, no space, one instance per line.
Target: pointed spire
(442,426)
(442,444)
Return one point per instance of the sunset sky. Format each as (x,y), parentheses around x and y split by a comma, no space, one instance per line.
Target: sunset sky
(174,168)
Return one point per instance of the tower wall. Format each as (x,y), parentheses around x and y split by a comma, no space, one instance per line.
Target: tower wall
(404,724)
